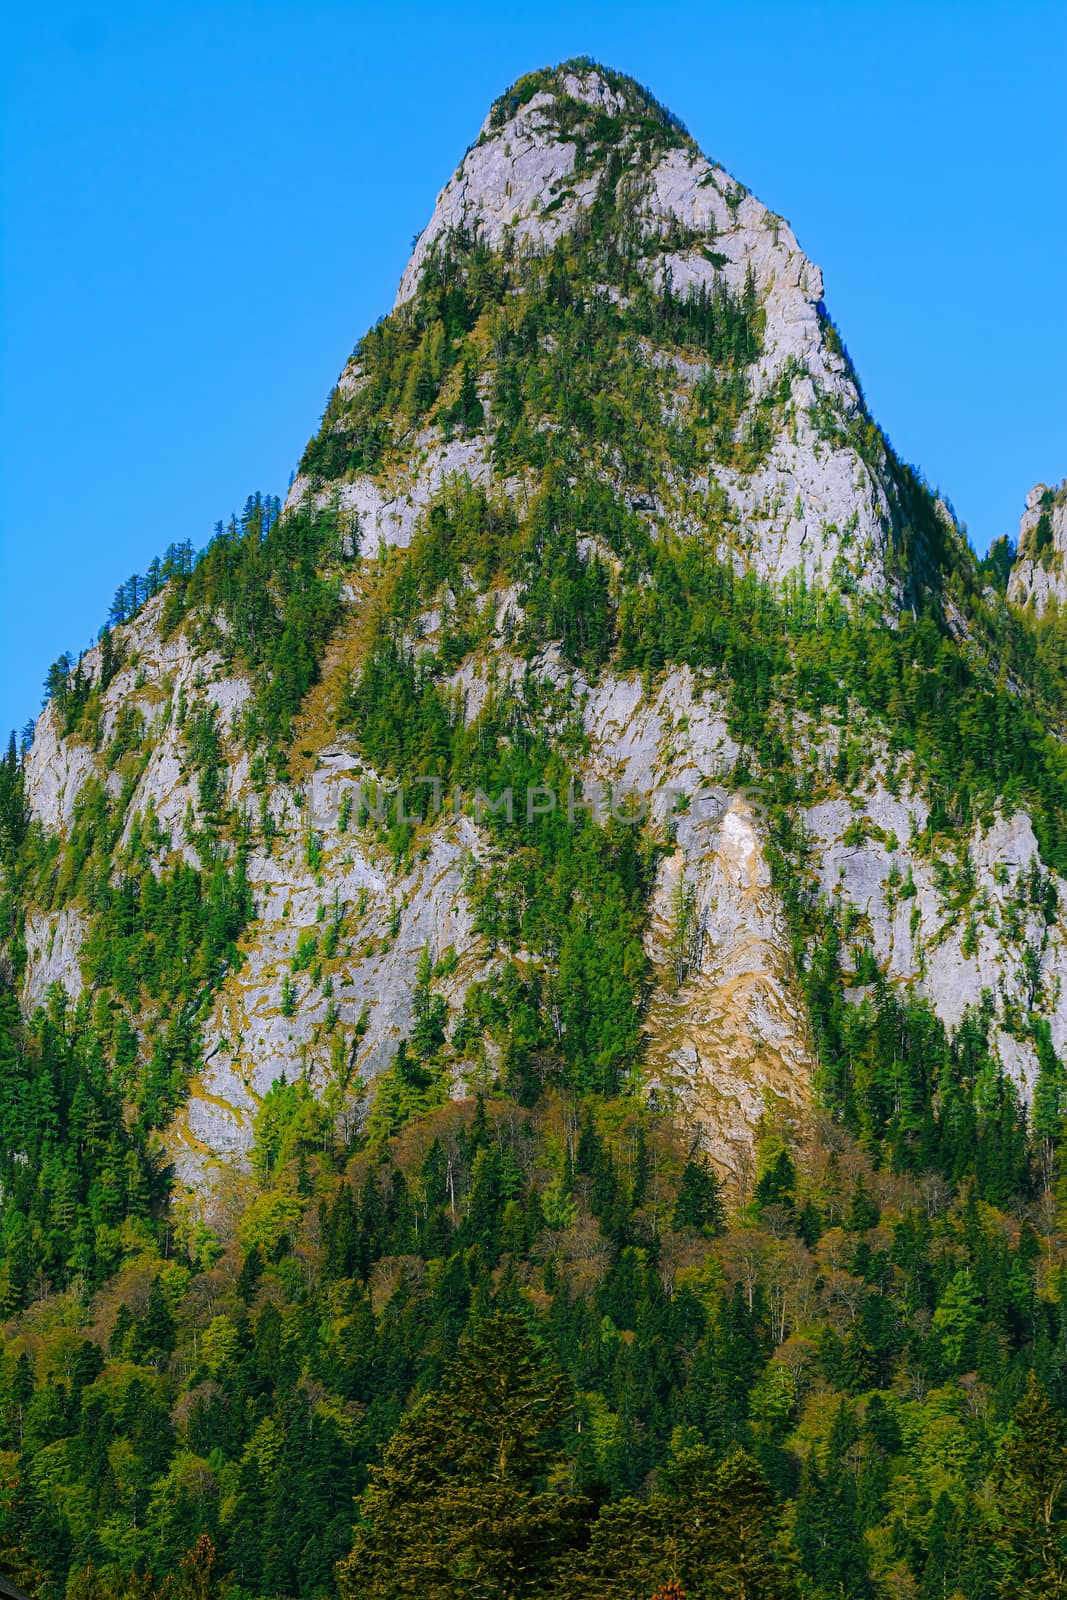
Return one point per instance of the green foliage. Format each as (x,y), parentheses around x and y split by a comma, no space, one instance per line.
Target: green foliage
(923,1100)
(567,362)
(83,1087)
(572,377)
(971,738)
(699,1204)
(264,573)
(77,1180)
(290,1121)
(639,103)
(575,889)
(997,563)
(406,1089)
(403,363)
(429,1011)
(1029,1534)
(166,938)
(197,1578)
(523,1334)
(459,1503)
(625,1416)
(715,1534)
(14,809)
(1042,536)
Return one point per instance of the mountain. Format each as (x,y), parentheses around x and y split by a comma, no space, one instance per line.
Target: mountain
(611,374)
(611,729)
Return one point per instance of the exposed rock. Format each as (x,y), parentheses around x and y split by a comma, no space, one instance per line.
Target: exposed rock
(388,921)
(53,943)
(388,514)
(1039,574)
(727,1027)
(56,770)
(953,947)
(814,505)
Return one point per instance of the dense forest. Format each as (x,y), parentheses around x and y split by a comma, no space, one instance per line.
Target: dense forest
(495,1323)
(533,1347)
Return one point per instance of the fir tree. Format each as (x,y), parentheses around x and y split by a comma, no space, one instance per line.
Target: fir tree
(1029,1535)
(699,1204)
(460,1504)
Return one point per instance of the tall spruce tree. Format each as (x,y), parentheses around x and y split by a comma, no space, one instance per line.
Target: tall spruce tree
(1029,1537)
(460,1508)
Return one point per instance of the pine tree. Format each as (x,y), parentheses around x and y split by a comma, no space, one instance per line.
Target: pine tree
(57,683)
(699,1204)
(714,1536)
(1029,1536)
(429,1011)
(250,1274)
(777,1184)
(459,1505)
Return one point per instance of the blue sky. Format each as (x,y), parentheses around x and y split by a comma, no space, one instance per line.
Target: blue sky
(203,207)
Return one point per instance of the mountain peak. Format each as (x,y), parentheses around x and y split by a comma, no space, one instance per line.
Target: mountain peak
(581,79)
(543,155)
(580,177)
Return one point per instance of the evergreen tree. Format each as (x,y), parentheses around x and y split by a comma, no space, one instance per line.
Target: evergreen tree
(715,1536)
(460,1505)
(1029,1535)
(699,1204)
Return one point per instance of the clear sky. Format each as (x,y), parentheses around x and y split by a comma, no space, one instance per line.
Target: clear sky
(204,206)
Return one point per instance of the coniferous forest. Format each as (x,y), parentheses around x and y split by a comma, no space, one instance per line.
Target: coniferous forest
(498,1320)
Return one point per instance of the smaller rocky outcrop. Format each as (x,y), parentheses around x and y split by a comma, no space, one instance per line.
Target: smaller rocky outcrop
(1039,576)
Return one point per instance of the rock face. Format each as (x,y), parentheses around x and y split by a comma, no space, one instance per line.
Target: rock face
(1039,574)
(726,1028)
(53,944)
(388,514)
(250,1041)
(1004,947)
